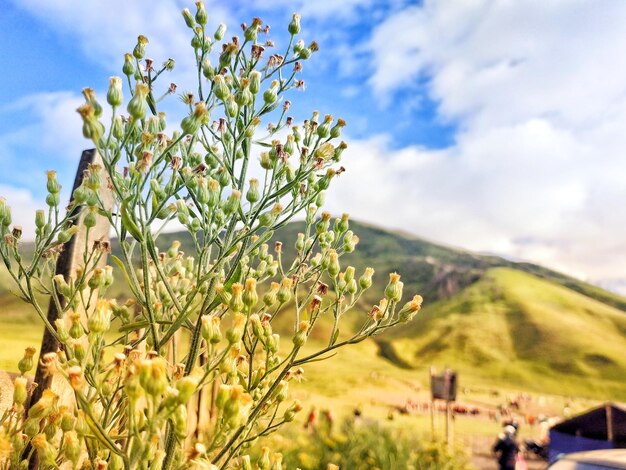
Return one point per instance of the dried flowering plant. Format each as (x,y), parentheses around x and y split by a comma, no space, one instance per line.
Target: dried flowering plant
(200,322)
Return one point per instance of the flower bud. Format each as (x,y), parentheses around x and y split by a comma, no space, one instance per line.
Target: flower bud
(179,421)
(189,19)
(46,452)
(281,391)
(114,95)
(92,128)
(191,124)
(393,291)
(219,32)
(76,330)
(251,33)
(271,94)
(267,219)
(333,263)
(79,350)
(26,363)
(244,463)
(211,329)
(243,95)
(44,406)
(53,185)
(250,296)
(365,281)
(140,48)
(67,421)
(76,377)
(255,81)
(65,235)
(342,225)
(129,67)
(264,460)
(270,297)
(231,108)
(301,335)
(236,301)
(201,15)
(252,195)
(235,332)
(186,387)
(232,203)
(323,130)
(220,88)
(71,447)
(137,105)
(410,309)
(153,376)
(284,292)
(294,25)
(90,97)
(100,319)
(40,219)
(290,413)
(81,427)
(336,129)
(20,392)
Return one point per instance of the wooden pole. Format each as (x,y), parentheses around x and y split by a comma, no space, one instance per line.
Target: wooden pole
(70,259)
(448,424)
(432,405)
(609,421)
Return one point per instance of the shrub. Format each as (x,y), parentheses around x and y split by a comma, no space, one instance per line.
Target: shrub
(370,446)
(130,406)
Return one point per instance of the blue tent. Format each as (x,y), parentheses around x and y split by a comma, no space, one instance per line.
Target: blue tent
(603,427)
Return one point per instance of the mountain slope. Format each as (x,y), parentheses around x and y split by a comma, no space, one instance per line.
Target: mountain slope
(516,328)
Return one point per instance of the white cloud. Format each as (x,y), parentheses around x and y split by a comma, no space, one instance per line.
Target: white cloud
(538,92)
(23,206)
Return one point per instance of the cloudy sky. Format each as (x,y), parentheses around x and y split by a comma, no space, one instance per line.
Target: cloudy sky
(497,126)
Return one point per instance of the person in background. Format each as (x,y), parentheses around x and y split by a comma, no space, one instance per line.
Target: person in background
(506,449)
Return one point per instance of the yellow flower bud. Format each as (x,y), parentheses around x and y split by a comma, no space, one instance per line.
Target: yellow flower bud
(410,309)
(235,332)
(210,329)
(20,392)
(393,291)
(250,296)
(153,376)
(26,363)
(137,105)
(114,95)
(100,319)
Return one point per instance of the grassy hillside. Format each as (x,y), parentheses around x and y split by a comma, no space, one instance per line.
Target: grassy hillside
(515,328)
(496,321)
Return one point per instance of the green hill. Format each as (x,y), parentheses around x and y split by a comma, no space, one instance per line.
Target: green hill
(514,328)
(494,320)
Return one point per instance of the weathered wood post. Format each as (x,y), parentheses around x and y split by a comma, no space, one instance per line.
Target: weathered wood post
(69,260)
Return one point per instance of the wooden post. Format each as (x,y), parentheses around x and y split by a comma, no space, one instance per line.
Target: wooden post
(448,424)
(432,406)
(609,421)
(69,259)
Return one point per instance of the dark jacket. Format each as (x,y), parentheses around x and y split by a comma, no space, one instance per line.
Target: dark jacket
(506,449)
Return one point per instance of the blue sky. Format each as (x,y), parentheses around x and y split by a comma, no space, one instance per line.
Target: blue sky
(492,125)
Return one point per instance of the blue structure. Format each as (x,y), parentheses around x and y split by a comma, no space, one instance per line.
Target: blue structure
(599,428)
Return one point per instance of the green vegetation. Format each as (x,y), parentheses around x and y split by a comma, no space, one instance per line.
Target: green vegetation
(497,322)
(359,445)
(517,329)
